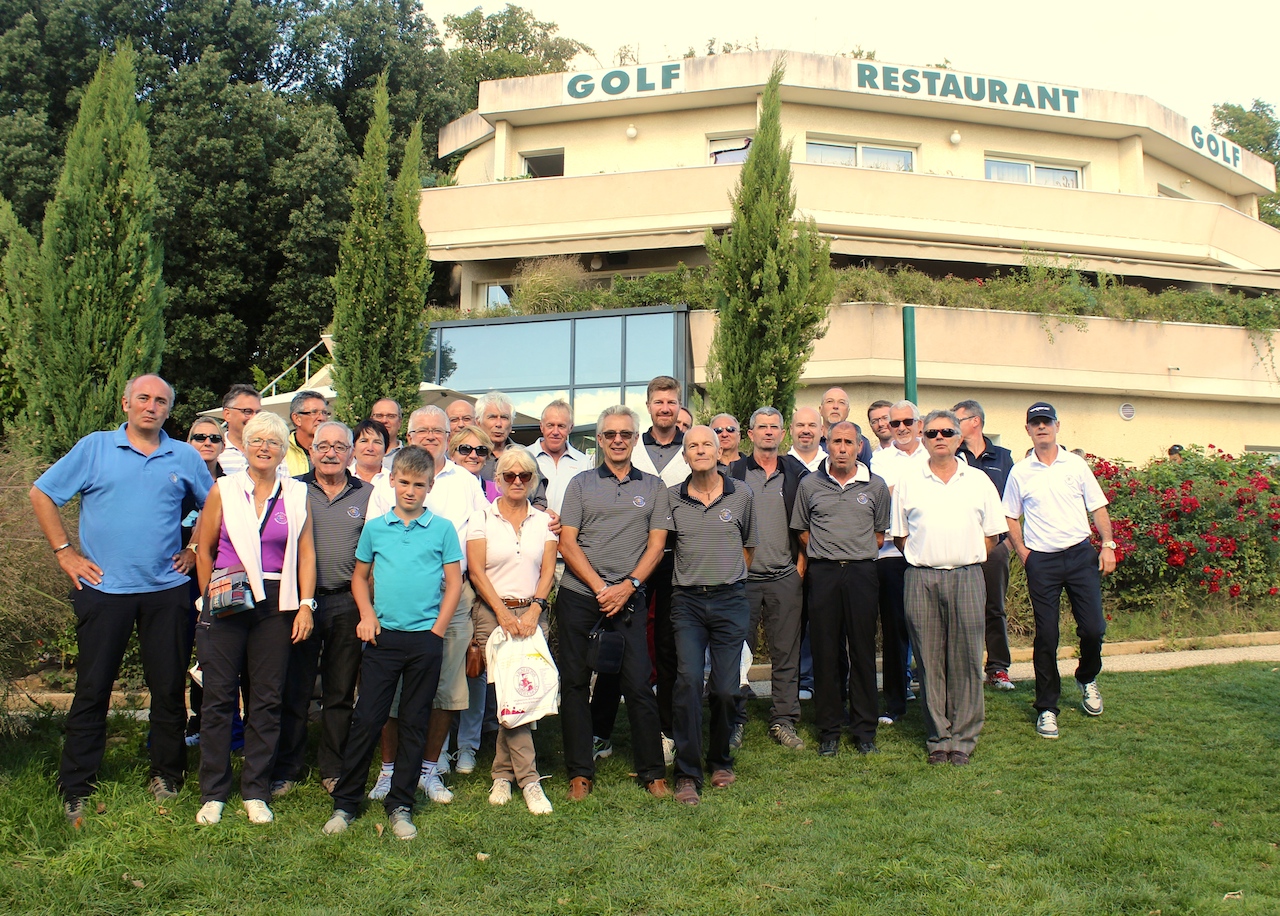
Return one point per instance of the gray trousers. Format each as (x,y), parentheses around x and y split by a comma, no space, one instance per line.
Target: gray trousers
(778,603)
(945,614)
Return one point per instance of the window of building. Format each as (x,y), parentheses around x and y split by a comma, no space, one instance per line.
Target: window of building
(862,155)
(725,150)
(1021,171)
(544,164)
(498,295)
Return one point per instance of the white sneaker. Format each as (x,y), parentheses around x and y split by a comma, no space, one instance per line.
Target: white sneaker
(668,750)
(500,794)
(466,761)
(442,765)
(1090,698)
(258,811)
(1047,725)
(401,821)
(382,788)
(338,823)
(210,813)
(885,720)
(435,789)
(536,799)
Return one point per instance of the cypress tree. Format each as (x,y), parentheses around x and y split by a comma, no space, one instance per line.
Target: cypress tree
(86,313)
(775,278)
(382,278)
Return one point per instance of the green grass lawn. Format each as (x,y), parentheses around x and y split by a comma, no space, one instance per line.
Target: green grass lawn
(1164,805)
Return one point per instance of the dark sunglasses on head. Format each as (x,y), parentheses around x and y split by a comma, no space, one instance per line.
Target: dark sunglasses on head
(511,476)
(215,438)
(896,423)
(724,429)
(481,450)
(944,433)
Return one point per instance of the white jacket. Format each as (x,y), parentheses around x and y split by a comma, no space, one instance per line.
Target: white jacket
(676,471)
(242,529)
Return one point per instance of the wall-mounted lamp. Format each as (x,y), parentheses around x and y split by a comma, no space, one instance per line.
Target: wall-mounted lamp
(596,262)
(632,133)
(955,138)
(1186,182)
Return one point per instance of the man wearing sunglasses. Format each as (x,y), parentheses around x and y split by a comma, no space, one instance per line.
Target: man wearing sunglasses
(239,405)
(728,439)
(612,539)
(558,461)
(996,462)
(1054,492)
(947,515)
(906,453)
(307,411)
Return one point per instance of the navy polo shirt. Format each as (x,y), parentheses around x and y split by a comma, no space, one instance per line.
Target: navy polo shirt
(130,506)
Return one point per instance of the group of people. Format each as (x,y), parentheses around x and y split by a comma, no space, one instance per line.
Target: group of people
(383,563)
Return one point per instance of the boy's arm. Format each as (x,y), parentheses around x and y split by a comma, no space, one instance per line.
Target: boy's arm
(449,601)
(368,628)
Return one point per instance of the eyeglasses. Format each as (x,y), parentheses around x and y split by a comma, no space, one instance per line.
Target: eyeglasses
(467,450)
(318,412)
(944,433)
(962,419)
(511,477)
(724,429)
(1040,421)
(269,443)
(386,416)
(894,424)
(215,438)
(248,412)
(339,448)
(428,432)
(626,435)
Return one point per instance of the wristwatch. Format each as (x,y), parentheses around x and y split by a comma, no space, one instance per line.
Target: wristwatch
(635,583)
(541,602)
(309,602)
(1109,545)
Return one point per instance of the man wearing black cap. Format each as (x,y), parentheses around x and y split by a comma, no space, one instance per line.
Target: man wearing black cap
(1054,492)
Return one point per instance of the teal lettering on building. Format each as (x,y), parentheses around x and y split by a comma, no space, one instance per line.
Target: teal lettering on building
(986,90)
(1215,147)
(622,81)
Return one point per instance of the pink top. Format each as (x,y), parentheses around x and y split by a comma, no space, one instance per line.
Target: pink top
(274,537)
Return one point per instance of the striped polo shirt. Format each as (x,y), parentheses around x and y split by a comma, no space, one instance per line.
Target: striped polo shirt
(772,559)
(335,527)
(613,519)
(842,521)
(710,539)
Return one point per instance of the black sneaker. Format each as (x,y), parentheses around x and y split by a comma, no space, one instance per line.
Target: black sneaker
(73,808)
(867,747)
(828,747)
(163,788)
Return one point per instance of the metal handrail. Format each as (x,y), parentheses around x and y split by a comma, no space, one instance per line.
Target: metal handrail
(306,371)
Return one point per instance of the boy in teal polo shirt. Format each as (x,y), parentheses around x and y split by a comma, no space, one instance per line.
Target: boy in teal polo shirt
(410,554)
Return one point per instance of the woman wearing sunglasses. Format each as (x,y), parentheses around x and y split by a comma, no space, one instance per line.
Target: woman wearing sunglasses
(469,448)
(511,555)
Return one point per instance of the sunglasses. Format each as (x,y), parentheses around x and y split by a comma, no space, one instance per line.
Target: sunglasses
(215,438)
(894,424)
(718,430)
(944,433)
(626,435)
(511,476)
(467,450)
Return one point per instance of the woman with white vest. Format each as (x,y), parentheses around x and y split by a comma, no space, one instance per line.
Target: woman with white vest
(256,521)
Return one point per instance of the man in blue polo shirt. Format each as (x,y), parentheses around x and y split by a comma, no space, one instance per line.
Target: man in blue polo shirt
(132,482)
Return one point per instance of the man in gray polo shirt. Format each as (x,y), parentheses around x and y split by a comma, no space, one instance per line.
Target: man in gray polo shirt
(338,504)
(841,513)
(713,520)
(612,538)
(773,581)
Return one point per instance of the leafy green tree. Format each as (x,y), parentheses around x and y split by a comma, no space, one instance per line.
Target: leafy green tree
(775,276)
(1258,130)
(88,314)
(382,278)
(17,254)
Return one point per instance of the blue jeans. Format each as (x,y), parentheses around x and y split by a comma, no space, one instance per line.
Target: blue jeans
(703,617)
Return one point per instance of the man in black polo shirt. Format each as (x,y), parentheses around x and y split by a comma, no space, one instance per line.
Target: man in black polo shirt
(996,462)
(713,520)
(612,538)
(773,581)
(841,513)
(338,504)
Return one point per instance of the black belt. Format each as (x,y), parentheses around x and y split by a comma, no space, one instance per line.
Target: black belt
(837,562)
(338,590)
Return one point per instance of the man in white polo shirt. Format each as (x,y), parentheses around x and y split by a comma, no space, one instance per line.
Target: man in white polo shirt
(558,461)
(1054,492)
(946,516)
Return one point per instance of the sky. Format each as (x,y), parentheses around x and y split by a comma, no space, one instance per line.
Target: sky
(1186,56)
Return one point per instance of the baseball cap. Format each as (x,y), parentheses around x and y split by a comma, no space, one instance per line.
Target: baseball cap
(1041,411)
